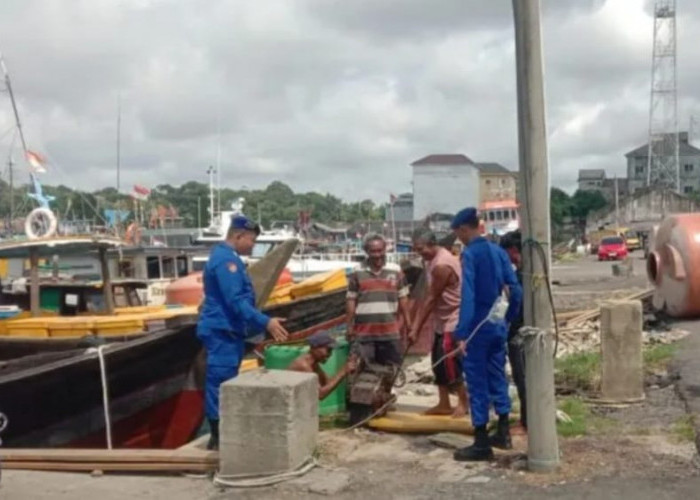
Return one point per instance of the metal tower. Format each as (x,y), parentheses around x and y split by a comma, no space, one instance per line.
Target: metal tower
(663,169)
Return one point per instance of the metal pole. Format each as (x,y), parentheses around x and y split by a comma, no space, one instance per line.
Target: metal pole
(10,165)
(119,133)
(617,206)
(543,449)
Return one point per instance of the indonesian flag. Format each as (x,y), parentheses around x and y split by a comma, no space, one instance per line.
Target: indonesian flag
(36,161)
(392,199)
(140,192)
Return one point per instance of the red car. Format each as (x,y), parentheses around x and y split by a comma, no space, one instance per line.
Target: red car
(612,248)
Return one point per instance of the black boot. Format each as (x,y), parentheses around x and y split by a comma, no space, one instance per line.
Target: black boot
(213,443)
(480,451)
(501,439)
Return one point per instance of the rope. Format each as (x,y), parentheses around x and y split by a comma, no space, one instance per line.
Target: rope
(257,481)
(105,394)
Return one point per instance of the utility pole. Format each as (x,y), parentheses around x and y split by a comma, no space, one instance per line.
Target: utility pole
(543,448)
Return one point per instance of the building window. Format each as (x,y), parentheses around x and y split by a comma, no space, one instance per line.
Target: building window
(488,182)
(688,189)
(638,170)
(503,182)
(688,167)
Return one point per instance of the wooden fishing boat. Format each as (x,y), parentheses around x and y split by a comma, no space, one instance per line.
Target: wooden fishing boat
(141,392)
(56,398)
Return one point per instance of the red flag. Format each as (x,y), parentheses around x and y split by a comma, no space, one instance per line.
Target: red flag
(36,161)
(392,199)
(140,192)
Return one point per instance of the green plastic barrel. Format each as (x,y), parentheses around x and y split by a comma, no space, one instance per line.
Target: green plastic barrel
(279,357)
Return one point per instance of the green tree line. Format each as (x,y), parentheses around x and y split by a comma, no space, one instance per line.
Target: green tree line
(277,202)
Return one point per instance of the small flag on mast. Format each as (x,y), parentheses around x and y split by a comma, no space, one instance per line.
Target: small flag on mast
(392,199)
(140,192)
(36,161)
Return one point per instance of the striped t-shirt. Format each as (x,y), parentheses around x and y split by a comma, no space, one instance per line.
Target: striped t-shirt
(377,296)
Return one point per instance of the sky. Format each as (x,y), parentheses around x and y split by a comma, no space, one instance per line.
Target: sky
(324,95)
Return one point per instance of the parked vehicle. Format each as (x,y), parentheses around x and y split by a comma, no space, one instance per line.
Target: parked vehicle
(632,239)
(612,248)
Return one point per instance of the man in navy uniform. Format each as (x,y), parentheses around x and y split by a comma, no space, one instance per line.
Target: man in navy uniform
(486,274)
(228,314)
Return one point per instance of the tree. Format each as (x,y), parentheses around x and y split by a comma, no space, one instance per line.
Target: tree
(585,202)
(560,206)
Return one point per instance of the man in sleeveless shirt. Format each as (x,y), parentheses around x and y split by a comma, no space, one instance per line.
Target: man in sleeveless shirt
(444,276)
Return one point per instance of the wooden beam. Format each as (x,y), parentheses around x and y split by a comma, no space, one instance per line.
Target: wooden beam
(34,299)
(106,281)
(109,466)
(185,455)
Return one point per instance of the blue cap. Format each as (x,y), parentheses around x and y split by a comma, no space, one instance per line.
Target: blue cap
(465,216)
(243,222)
(321,339)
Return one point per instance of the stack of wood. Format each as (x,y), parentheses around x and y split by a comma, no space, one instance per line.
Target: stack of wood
(56,459)
(580,330)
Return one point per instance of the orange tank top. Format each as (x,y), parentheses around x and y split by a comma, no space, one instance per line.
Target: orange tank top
(446,311)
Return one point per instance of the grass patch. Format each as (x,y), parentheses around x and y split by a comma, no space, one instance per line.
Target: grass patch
(683,429)
(658,357)
(583,421)
(578,372)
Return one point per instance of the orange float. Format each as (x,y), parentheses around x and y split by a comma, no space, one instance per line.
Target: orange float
(188,291)
(673,265)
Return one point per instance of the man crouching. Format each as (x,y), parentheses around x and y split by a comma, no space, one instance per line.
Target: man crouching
(320,350)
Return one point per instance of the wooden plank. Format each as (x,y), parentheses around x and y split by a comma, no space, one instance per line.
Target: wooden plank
(106,466)
(595,313)
(118,455)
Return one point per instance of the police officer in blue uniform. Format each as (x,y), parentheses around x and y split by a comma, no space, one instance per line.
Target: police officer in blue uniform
(486,273)
(228,314)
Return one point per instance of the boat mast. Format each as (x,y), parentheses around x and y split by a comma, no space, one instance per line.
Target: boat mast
(119,136)
(8,85)
(210,172)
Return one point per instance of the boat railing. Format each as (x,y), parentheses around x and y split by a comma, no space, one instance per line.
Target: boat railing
(355,257)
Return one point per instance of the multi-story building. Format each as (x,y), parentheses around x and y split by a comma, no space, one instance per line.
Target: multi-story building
(402,210)
(689,161)
(496,183)
(444,184)
(591,179)
(597,180)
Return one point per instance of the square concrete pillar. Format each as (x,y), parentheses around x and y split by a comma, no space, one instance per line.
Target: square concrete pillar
(621,351)
(269,422)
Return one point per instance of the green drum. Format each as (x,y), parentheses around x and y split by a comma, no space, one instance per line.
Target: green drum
(279,357)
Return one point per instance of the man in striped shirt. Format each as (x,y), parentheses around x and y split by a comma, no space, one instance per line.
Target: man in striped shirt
(377,296)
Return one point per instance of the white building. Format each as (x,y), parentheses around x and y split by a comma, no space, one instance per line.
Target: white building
(444,183)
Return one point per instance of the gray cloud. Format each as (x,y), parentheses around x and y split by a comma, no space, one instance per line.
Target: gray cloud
(325,95)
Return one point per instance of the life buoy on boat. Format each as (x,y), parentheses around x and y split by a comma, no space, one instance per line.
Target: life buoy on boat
(40,223)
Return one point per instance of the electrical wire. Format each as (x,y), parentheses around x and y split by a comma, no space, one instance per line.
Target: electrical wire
(545,267)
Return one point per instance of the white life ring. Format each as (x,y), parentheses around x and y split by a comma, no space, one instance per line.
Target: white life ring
(40,223)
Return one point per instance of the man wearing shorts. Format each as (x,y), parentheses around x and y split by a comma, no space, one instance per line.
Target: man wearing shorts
(444,278)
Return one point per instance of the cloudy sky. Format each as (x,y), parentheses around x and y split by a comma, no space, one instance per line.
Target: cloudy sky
(326,95)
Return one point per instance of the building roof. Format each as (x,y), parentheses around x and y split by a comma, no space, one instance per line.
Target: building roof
(684,148)
(443,159)
(494,169)
(588,174)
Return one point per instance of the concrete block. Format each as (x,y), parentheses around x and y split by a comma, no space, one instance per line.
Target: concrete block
(621,351)
(269,422)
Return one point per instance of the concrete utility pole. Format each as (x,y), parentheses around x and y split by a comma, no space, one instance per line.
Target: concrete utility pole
(543,449)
